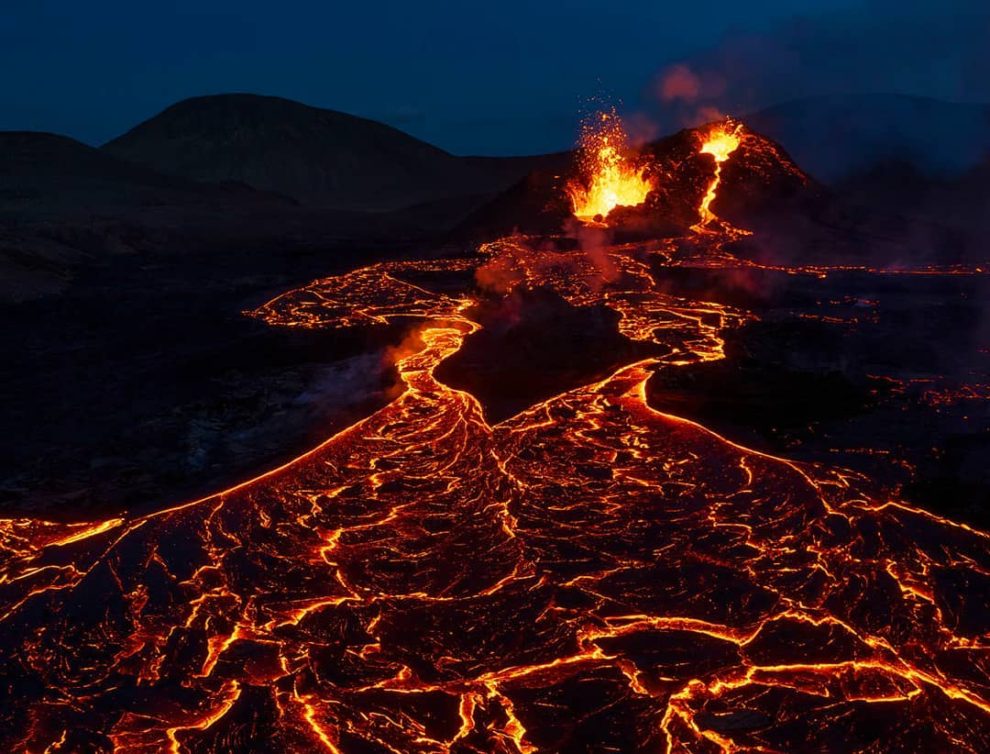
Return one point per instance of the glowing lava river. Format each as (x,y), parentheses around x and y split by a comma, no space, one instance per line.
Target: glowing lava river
(587,575)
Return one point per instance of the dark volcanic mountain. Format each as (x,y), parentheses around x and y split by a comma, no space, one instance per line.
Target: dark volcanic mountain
(318,157)
(893,213)
(759,178)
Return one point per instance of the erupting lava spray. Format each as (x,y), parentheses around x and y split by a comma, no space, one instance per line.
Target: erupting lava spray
(610,178)
(721,142)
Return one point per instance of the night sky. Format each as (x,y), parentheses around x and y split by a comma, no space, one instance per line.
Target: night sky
(483,78)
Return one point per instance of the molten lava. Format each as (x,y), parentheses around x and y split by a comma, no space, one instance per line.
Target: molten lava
(588,575)
(610,177)
(721,141)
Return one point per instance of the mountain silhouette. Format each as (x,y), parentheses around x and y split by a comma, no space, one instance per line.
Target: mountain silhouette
(320,158)
(832,137)
(44,173)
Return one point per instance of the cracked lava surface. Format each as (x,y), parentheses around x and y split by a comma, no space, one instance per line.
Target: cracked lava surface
(588,575)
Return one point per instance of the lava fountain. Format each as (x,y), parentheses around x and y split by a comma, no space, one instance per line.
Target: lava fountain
(610,177)
(722,140)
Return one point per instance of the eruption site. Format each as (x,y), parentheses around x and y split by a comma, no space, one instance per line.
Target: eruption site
(610,177)
(590,574)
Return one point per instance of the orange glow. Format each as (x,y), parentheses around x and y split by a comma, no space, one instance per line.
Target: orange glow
(610,178)
(721,142)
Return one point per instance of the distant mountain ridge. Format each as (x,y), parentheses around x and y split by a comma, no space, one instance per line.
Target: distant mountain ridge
(318,157)
(833,137)
(232,171)
(329,159)
(42,173)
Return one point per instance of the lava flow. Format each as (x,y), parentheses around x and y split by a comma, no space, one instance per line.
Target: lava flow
(588,575)
(610,178)
(720,142)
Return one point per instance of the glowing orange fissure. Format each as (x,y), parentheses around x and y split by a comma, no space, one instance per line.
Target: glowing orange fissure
(610,177)
(721,141)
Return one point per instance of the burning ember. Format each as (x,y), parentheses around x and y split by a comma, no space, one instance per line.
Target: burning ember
(610,178)
(721,142)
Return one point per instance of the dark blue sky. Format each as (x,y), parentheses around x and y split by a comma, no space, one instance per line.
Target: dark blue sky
(496,77)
